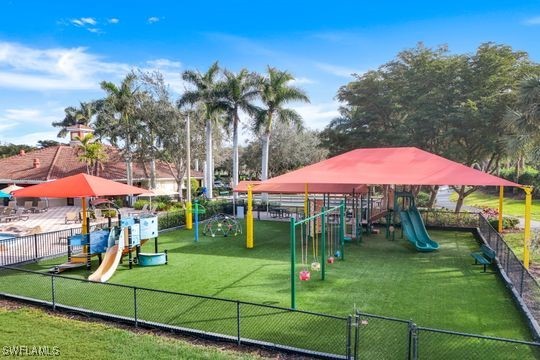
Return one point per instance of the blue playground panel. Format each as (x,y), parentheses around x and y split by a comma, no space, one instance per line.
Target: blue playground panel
(148,227)
(98,241)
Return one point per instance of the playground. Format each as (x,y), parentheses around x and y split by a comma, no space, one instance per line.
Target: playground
(379,276)
(334,259)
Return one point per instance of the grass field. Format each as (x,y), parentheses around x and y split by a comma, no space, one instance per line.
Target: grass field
(76,339)
(440,289)
(511,207)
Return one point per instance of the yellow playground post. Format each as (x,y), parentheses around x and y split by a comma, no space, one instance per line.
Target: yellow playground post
(527,237)
(189,216)
(249,218)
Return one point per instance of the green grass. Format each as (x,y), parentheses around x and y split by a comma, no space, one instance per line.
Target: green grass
(511,207)
(83,340)
(440,289)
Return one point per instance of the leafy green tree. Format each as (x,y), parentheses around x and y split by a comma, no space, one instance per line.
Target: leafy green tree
(118,119)
(237,93)
(449,104)
(204,92)
(276,92)
(42,144)
(290,150)
(7,150)
(92,153)
(523,123)
(82,115)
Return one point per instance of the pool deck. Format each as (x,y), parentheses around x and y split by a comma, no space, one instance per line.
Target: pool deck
(51,220)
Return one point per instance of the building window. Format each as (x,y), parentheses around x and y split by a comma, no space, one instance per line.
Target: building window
(70,201)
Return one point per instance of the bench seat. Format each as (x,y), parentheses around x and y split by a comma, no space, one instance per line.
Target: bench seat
(484,257)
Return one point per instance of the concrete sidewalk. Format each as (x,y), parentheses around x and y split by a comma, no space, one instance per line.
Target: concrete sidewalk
(444,201)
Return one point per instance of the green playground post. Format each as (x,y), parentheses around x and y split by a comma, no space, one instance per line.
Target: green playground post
(342,228)
(323,245)
(293,264)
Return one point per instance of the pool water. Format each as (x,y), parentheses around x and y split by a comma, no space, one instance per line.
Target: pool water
(6,236)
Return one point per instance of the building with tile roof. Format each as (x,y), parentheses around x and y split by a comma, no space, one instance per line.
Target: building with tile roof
(55,162)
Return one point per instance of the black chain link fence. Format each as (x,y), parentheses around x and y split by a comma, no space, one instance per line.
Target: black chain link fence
(382,337)
(306,333)
(31,248)
(525,287)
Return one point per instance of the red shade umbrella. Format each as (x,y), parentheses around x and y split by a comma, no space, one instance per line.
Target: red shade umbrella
(78,186)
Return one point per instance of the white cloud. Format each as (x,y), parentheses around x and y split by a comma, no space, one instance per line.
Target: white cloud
(317,116)
(302,80)
(23,67)
(337,70)
(113,20)
(164,63)
(95,30)
(153,19)
(89,20)
(84,21)
(32,138)
(36,120)
(532,21)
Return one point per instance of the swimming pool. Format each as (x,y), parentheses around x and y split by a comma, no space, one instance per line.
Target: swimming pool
(6,236)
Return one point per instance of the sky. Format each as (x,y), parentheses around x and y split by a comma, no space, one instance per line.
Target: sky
(54,54)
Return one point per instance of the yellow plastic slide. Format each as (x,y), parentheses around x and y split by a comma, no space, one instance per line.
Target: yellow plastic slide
(110,261)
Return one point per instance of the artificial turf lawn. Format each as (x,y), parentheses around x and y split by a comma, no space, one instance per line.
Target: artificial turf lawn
(83,340)
(511,207)
(441,289)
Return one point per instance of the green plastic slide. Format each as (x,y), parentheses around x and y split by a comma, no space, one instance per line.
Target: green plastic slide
(415,231)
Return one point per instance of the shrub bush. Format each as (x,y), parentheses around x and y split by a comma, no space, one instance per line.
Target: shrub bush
(508,223)
(139,204)
(422,199)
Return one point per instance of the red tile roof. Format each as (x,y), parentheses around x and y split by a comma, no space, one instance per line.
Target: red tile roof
(61,161)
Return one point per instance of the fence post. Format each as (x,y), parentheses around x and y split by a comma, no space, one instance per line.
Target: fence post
(35,247)
(348,346)
(135,307)
(413,341)
(356,335)
(238,322)
(53,292)
(521,282)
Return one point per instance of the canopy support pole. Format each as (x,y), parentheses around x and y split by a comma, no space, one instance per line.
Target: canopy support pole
(501,198)
(527,237)
(189,213)
(306,201)
(249,218)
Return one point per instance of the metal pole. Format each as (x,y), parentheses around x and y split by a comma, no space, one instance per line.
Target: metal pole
(293,264)
(135,310)
(342,229)
(188,214)
(323,245)
(238,323)
(527,237)
(196,211)
(53,293)
(501,197)
(249,218)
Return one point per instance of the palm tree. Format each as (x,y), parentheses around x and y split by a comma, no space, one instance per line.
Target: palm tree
(204,93)
(91,152)
(73,116)
(121,105)
(237,93)
(523,124)
(275,93)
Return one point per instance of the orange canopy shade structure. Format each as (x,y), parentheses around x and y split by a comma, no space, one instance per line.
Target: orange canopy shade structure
(78,186)
(299,188)
(388,166)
